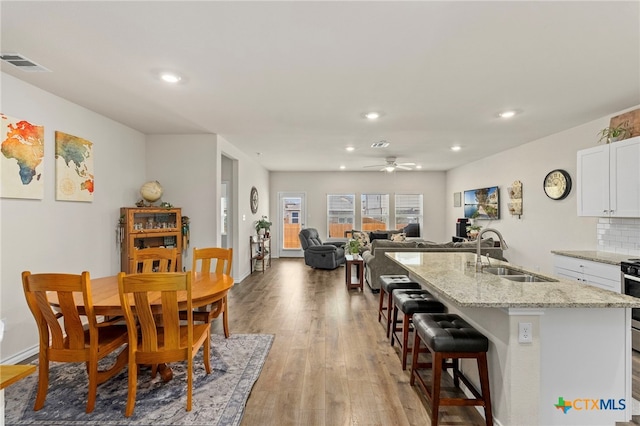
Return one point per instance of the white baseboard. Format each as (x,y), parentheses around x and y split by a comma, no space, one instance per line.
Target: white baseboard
(20,356)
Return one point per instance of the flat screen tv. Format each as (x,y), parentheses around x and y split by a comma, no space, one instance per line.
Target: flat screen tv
(482,203)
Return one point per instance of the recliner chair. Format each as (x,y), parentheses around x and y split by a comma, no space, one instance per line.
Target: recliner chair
(318,254)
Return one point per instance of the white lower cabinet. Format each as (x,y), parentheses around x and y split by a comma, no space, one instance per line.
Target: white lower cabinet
(602,275)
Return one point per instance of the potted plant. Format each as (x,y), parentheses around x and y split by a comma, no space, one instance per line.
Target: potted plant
(614,134)
(473,231)
(263,226)
(353,247)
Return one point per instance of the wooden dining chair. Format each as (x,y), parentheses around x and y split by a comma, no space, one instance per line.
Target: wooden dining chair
(154,344)
(155,259)
(74,343)
(204,260)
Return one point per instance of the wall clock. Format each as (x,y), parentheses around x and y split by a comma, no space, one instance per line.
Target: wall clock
(557,184)
(254,200)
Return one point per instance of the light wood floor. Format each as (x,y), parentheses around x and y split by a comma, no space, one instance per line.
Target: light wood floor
(330,363)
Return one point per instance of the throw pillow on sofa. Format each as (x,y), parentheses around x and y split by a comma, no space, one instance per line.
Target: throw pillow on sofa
(378,236)
(363,238)
(398,237)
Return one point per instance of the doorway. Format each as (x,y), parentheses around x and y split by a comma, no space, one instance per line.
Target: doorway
(292,216)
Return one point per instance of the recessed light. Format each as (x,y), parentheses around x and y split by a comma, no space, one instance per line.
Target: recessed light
(170,77)
(343,167)
(507,114)
(456,148)
(350,148)
(372,115)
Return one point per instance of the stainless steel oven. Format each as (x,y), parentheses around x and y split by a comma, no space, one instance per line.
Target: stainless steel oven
(630,272)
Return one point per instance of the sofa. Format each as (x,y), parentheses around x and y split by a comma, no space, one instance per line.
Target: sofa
(376,263)
(318,254)
(409,232)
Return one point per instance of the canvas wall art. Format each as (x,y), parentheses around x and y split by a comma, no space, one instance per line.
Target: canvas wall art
(74,168)
(21,159)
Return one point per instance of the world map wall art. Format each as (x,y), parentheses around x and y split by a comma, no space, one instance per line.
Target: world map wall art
(21,162)
(74,168)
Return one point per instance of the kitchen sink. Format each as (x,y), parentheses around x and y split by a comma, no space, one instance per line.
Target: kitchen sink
(514,274)
(525,278)
(501,270)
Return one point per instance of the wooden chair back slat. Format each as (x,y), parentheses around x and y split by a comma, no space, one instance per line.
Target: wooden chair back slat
(146,289)
(65,285)
(204,258)
(161,338)
(74,340)
(155,259)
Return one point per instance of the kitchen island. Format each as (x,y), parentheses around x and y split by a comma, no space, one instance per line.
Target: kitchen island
(577,368)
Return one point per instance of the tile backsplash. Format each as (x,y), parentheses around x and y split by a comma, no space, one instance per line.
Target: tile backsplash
(619,235)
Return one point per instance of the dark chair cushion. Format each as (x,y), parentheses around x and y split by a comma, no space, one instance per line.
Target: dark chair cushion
(449,333)
(388,283)
(413,301)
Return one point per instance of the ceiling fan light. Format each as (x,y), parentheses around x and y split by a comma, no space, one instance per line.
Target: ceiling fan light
(389,168)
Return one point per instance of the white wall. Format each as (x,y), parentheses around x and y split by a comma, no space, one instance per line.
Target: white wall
(187,167)
(247,173)
(317,185)
(190,171)
(61,236)
(545,224)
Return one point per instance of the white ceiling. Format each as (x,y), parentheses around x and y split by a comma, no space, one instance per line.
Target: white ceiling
(290,80)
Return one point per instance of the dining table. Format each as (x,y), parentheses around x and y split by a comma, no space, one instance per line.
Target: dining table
(205,289)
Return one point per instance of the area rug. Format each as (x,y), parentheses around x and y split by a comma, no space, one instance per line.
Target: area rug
(219,398)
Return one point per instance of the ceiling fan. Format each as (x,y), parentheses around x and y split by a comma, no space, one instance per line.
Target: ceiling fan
(391,165)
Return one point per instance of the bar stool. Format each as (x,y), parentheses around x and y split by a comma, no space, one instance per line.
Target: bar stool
(447,336)
(389,283)
(411,302)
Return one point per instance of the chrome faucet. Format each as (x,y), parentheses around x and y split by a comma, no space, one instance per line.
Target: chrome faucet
(503,246)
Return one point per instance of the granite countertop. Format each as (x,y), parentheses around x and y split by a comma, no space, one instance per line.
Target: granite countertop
(596,256)
(453,276)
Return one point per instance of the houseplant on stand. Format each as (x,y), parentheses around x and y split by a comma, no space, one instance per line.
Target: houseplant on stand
(353,247)
(262,255)
(263,226)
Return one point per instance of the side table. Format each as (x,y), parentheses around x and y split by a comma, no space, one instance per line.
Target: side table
(260,252)
(357,261)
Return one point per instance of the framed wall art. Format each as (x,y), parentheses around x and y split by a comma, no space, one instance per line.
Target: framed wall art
(21,159)
(74,168)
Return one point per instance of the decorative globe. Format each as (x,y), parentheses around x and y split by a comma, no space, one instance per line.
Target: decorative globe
(151,191)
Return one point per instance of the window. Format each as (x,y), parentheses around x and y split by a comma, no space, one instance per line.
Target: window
(408,209)
(375,212)
(341,214)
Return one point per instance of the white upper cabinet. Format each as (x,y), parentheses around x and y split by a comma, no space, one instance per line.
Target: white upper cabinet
(609,180)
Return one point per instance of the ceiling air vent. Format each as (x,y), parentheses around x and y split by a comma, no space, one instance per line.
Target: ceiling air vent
(381,144)
(25,64)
